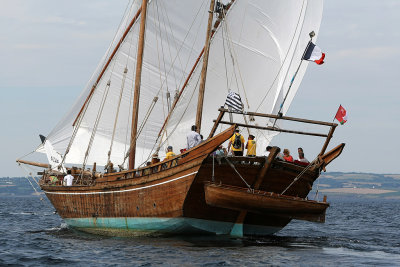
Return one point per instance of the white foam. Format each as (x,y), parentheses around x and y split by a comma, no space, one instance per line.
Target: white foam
(375,254)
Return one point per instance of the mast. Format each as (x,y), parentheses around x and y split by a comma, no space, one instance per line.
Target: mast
(216,25)
(138,78)
(199,113)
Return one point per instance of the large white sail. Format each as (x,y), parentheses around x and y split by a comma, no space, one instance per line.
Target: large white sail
(267,41)
(255,52)
(174,38)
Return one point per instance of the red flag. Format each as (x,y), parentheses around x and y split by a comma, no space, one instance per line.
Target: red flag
(341,115)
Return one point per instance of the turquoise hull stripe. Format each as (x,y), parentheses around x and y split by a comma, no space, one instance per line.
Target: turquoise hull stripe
(237,230)
(168,225)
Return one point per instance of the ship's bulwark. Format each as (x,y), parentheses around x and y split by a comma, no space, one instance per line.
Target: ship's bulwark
(173,200)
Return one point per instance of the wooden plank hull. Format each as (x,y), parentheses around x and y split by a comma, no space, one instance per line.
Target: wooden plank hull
(243,199)
(279,176)
(172,200)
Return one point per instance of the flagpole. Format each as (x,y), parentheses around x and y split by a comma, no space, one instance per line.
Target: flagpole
(312,34)
(336,113)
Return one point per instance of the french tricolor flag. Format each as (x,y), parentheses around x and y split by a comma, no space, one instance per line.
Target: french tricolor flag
(314,53)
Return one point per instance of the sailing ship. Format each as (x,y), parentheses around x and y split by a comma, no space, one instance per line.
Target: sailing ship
(159,77)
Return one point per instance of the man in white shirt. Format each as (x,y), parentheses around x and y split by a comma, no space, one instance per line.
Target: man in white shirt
(301,155)
(302,158)
(267,151)
(68,178)
(193,138)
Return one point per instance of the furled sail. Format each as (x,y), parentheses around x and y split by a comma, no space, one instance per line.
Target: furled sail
(254,52)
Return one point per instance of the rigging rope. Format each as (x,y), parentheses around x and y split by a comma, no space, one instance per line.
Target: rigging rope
(129,120)
(146,117)
(96,124)
(232,2)
(27,177)
(288,91)
(28,153)
(176,125)
(116,115)
(171,68)
(80,119)
(316,192)
(300,174)
(283,62)
(167,37)
(223,45)
(164,130)
(163,59)
(226,34)
(119,102)
(233,167)
(127,151)
(234,56)
(99,113)
(173,64)
(74,133)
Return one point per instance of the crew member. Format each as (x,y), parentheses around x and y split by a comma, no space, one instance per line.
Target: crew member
(193,138)
(236,143)
(251,146)
(68,179)
(170,153)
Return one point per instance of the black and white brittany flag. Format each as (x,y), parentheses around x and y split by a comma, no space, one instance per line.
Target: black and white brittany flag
(234,101)
(314,53)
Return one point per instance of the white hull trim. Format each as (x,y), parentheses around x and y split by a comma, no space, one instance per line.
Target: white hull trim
(120,191)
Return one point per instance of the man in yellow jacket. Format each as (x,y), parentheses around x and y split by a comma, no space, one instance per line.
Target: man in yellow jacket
(251,146)
(170,153)
(236,143)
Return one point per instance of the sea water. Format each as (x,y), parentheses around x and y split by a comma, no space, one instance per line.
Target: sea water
(357,232)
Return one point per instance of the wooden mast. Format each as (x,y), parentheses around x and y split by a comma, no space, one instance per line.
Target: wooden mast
(204,69)
(216,25)
(138,77)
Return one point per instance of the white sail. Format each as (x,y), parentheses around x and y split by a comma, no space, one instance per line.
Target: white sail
(174,38)
(256,52)
(267,40)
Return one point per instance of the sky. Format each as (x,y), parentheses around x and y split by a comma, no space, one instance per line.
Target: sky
(49,49)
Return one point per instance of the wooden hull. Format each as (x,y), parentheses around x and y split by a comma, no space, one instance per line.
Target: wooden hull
(172,198)
(261,202)
(276,180)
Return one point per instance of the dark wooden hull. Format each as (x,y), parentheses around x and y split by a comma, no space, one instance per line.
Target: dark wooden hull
(172,199)
(276,180)
(261,202)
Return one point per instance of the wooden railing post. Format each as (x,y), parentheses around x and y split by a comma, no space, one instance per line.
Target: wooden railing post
(220,116)
(328,139)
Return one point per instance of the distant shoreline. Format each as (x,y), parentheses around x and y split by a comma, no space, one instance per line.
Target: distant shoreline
(359,191)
